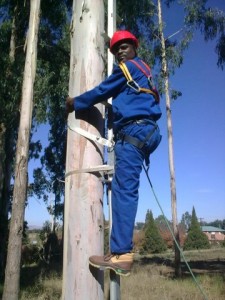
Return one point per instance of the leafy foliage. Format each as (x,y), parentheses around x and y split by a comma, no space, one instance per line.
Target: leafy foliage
(139,225)
(45,230)
(217,223)
(50,91)
(196,239)
(186,220)
(210,21)
(153,242)
(135,13)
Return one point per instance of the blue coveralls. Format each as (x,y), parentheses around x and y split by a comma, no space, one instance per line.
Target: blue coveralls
(134,114)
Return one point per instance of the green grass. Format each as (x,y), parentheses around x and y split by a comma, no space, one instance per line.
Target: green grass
(45,288)
(152,278)
(41,282)
(147,282)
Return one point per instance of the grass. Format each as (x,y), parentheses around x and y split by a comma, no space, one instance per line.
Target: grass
(47,288)
(41,282)
(152,278)
(147,282)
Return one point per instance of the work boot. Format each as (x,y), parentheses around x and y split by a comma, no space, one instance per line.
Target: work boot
(119,263)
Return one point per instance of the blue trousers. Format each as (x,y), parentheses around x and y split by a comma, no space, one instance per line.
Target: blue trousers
(125,184)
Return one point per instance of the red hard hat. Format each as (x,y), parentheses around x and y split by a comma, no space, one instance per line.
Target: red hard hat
(120,36)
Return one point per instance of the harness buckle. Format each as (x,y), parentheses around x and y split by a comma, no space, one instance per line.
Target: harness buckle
(134,85)
(151,82)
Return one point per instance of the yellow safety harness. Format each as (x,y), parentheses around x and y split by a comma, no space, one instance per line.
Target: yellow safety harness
(134,85)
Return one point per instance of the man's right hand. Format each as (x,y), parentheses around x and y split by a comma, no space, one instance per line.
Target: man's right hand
(69,104)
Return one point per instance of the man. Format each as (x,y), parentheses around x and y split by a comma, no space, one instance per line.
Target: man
(135,112)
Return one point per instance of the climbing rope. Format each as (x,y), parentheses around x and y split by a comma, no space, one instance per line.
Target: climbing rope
(174,238)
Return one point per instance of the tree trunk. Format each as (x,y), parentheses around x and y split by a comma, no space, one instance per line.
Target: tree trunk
(3,216)
(2,160)
(12,274)
(170,142)
(6,161)
(83,216)
(13,37)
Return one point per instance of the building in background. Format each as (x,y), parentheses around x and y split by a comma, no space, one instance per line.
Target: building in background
(214,234)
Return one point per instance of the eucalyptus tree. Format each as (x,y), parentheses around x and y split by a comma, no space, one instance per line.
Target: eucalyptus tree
(165,73)
(186,220)
(11,285)
(14,17)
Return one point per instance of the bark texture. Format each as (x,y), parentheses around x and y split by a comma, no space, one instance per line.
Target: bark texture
(83,216)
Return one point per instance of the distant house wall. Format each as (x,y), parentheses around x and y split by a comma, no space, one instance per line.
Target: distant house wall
(214,234)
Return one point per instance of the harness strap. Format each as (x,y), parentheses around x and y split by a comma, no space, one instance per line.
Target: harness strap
(125,71)
(138,143)
(133,84)
(149,92)
(150,77)
(142,69)
(132,140)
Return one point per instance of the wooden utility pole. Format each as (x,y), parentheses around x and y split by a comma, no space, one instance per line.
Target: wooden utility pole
(114,278)
(83,215)
(12,273)
(170,142)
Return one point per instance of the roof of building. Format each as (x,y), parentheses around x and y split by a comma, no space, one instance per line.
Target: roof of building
(212,229)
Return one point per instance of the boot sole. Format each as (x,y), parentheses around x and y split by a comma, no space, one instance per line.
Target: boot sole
(118,271)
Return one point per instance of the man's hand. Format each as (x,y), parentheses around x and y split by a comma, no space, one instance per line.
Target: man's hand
(69,105)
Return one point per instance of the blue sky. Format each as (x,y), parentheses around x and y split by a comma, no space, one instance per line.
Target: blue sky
(198,119)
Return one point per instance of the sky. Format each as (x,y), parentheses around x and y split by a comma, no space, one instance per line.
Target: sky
(198,120)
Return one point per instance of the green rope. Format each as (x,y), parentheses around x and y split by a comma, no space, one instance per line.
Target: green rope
(174,238)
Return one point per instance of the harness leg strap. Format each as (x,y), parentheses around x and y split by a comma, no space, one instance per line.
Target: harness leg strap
(136,142)
(132,140)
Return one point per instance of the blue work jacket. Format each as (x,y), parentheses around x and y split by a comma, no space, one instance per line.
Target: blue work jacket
(127,104)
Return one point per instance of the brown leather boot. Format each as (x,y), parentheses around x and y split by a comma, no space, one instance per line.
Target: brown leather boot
(119,263)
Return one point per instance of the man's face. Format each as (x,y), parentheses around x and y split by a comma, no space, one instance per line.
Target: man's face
(124,51)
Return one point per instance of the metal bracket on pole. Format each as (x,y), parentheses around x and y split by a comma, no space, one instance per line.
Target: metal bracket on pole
(105,169)
(92,137)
